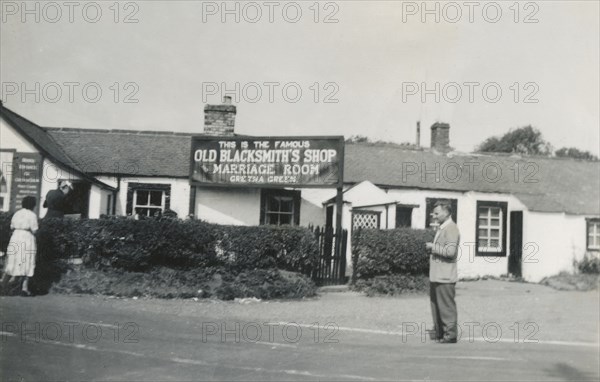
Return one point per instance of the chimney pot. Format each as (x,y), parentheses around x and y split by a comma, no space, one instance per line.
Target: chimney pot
(227,100)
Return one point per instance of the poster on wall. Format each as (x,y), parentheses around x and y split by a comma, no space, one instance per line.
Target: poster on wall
(267,161)
(26,179)
(6,162)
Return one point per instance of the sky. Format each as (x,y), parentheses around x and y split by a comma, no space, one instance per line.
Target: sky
(371,68)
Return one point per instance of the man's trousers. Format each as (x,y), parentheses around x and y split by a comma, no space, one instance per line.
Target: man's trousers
(443,309)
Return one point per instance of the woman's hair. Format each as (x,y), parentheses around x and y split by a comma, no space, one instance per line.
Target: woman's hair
(28,202)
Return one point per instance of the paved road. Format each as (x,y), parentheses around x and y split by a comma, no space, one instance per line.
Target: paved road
(85,338)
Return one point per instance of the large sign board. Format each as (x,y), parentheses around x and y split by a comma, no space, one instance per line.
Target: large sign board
(267,161)
(26,179)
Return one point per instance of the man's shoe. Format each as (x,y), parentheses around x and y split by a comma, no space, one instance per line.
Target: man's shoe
(448,341)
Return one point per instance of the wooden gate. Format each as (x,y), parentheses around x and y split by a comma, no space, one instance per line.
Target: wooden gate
(331,269)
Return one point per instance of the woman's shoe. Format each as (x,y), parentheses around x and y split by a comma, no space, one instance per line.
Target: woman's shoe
(26,293)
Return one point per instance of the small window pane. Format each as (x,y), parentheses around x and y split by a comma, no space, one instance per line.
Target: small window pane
(482,242)
(482,232)
(495,212)
(287,205)
(495,233)
(285,219)
(273,204)
(494,243)
(142,197)
(156,198)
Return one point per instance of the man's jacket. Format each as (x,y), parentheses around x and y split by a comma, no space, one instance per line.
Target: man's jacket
(442,262)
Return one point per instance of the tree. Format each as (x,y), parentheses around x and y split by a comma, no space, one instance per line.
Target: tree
(524,140)
(358,139)
(572,152)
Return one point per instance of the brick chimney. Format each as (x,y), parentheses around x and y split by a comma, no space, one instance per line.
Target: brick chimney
(440,136)
(220,119)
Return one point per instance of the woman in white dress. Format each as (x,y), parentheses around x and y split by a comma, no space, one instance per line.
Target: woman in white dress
(22,248)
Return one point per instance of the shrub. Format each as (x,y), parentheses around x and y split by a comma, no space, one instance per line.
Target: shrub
(140,245)
(163,282)
(393,285)
(590,264)
(389,252)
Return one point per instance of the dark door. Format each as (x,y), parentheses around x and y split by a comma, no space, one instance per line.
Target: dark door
(516,243)
(403,217)
(329,217)
(78,200)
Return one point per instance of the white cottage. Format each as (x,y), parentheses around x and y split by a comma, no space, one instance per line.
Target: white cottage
(527,216)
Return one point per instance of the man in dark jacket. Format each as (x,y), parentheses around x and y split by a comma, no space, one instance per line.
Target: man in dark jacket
(443,274)
(56,200)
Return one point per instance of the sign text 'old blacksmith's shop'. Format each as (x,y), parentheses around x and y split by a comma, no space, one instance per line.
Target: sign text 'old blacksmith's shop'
(267,161)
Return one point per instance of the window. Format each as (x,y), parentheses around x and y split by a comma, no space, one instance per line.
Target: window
(491,229)
(365,219)
(593,234)
(148,199)
(148,202)
(403,216)
(280,207)
(430,204)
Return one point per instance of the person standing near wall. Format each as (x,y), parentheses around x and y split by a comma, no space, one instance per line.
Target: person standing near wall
(56,200)
(443,274)
(22,247)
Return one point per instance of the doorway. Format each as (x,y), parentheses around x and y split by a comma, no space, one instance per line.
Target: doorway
(516,243)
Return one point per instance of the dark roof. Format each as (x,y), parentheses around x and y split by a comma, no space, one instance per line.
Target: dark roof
(46,144)
(542,184)
(127,152)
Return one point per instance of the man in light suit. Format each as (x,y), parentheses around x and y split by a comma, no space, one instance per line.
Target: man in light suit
(443,274)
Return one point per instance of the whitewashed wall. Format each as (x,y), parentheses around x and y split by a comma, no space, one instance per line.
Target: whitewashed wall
(10,139)
(241,206)
(228,205)
(555,240)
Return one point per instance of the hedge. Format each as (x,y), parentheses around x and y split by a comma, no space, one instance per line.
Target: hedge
(139,245)
(390,252)
(145,245)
